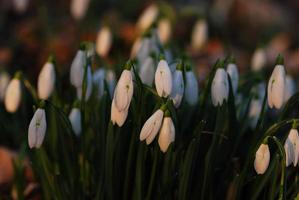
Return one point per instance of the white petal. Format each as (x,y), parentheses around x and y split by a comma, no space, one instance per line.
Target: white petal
(147,71)
(262,159)
(98,81)
(276,87)
(164,30)
(147,18)
(118,117)
(290,88)
(75,119)
(254,112)
(13,95)
(167,133)
(177,88)
(79,8)
(77,69)
(199,34)
(37,129)
(124,91)
(258,60)
(232,70)
(46,81)
(191,90)
(135,47)
(163,79)
(288,148)
(220,87)
(293,138)
(151,126)
(103,41)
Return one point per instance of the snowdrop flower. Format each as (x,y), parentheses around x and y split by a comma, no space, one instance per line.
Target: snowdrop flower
(164,30)
(254,112)
(167,133)
(46,81)
(77,68)
(20,5)
(163,79)
(103,41)
(199,34)
(13,95)
(259,59)
(147,71)
(220,87)
(191,89)
(177,86)
(4,81)
(79,8)
(292,147)
(37,128)
(88,86)
(262,159)
(135,47)
(147,18)
(276,85)
(290,88)
(111,82)
(152,126)
(99,81)
(75,119)
(118,117)
(232,70)
(122,96)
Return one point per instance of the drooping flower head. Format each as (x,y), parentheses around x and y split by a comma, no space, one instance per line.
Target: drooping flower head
(191,88)
(232,71)
(177,86)
(167,132)
(46,79)
(104,41)
(199,34)
(13,94)
(220,87)
(75,118)
(276,85)
(262,159)
(77,67)
(163,79)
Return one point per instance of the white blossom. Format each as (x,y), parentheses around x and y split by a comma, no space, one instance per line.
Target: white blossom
(290,88)
(151,127)
(75,119)
(46,81)
(199,34)
(103,41)
(147,71)
(262,159)
(77,69)
(167,134)
(148,16)
(177,88)
(37,128)
(164,30)
(191,88)
(220,87)
(79,8)
(232,70)
(259,59)
(163,79)
(118,117)
(13,95)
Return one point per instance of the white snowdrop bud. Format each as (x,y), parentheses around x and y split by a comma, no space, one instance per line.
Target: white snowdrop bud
(262,159)
(79,8)
(77,69)
(220,87)
(103,41)
(124,89)
(254,112)
(147,71)
(75,119)
(111,82)
(99,81)
(191,88)
(13,95)
(167,133)
(37,128)
(259,59)
(20,6)
(163,79)
(147,18)
(290,88)
(88,86)
(199,34)
(177,86)
(151,127)
(46,81)
(118,117)
(276,85)
(135,47)
(232,70)
(4,81)
(291,147)
(164,30)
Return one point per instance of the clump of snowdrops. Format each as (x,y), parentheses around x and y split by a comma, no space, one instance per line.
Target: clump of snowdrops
(145,129)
